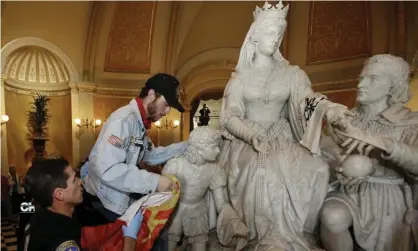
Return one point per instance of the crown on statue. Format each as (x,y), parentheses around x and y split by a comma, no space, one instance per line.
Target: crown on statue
(271,11)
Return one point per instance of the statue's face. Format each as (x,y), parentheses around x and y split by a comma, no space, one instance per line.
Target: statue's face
(374,84)
(269,39)
(211,152)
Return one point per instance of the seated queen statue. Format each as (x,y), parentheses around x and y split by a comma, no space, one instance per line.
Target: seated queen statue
(271,126)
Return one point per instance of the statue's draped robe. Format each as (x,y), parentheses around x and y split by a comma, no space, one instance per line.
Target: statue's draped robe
(378,205)
(278,195)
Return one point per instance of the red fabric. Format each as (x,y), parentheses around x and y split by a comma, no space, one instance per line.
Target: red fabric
(109,237)
(147,123)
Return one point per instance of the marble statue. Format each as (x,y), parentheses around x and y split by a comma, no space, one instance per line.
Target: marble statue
(356,166)
(198,173)
(271,126)
(379,206)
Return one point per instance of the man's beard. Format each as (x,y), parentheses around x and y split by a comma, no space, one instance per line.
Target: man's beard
(152,111)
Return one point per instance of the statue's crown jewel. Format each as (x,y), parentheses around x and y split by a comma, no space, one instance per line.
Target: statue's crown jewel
(271,11)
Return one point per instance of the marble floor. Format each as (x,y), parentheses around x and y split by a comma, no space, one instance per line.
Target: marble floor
(8,236)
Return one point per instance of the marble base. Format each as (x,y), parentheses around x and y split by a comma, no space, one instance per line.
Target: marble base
(214,245)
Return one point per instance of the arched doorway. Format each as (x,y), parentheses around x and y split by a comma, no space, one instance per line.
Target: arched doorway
(213,102)
(208,90)
(30,66)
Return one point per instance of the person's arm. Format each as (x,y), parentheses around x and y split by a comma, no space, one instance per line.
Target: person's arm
(129,244)
(110,162)
(130,233)
(217,186)
(404,155)
(160,155)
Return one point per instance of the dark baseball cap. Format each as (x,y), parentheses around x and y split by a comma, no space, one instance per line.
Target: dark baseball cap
(168,86)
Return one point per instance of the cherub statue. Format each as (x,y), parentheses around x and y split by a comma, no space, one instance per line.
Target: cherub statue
(271,123)
(198,173)
(379,206)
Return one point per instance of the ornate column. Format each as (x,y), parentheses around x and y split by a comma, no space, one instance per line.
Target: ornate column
(4,152)
(82,99)
(74,127)
(170,56)
(185,123)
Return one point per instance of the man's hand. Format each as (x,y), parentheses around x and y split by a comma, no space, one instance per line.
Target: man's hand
(165,184)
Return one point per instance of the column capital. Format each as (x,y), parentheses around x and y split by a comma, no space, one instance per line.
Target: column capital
(86,86)
(187,108)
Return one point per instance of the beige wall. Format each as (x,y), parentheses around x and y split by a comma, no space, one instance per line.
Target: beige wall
(61,23)
(413,103)
(221,25)
(103,31)
(412,29)
(216,25)
(105,105)
(59,128)
(412,48)
(338,69)
(199,42)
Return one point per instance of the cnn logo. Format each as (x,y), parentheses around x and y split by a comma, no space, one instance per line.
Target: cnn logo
(27,207)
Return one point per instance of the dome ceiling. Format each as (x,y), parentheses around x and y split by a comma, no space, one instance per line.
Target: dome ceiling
(33,67)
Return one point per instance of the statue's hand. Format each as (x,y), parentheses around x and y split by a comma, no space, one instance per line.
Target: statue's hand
(362,147)
(390,146)
(260,144)
(239,229)
(411,215)
(338,116)
(230,228)
(350,183)
(240,234)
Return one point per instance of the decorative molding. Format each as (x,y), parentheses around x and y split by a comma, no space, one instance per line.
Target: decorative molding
(91,41)
(212,55)
(104,90)
(130,38)
(207,71)
(18,87)
(33,41)
(34,92)
(35,68)
(111,91)
(187,107)
(209,86)
(86,87)
(338,31)
(170,54)
(339,85)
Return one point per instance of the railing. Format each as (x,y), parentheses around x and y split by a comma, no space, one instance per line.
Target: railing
(213,121)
